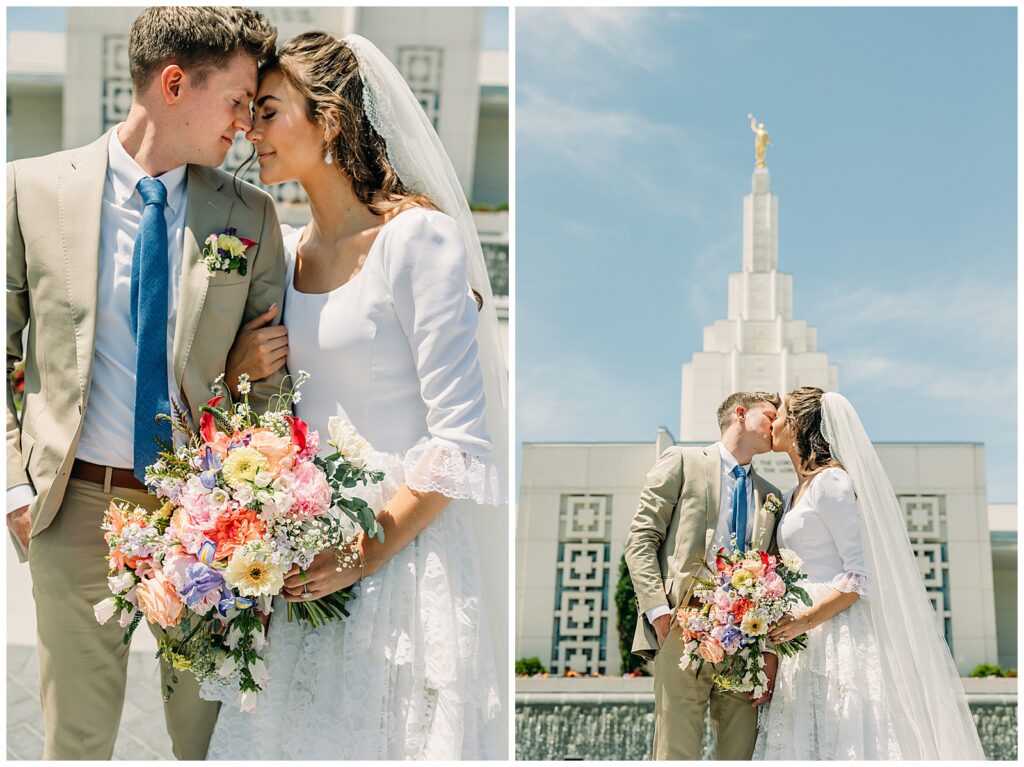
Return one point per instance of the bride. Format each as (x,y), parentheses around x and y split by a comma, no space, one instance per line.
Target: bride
(389,309)
(876,680)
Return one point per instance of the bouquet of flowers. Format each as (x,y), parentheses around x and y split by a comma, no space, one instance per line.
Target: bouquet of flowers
(742,601)
(245,498)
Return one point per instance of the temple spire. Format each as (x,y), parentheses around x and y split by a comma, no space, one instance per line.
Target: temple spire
(759,346)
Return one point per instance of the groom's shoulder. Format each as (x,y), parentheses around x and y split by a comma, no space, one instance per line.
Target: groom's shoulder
(234,187)
(684,454)
(45,167)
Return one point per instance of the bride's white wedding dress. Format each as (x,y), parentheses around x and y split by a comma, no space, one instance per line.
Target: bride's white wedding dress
(877,680)
(828,702)
(409,675)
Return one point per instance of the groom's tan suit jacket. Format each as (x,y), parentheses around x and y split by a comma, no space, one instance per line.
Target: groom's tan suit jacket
(53,231)
(674,528)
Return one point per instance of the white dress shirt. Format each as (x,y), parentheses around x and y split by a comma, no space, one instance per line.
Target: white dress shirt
(722,532)
(108,431)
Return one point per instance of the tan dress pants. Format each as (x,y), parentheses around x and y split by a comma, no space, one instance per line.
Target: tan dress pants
(680,700)
(83,666)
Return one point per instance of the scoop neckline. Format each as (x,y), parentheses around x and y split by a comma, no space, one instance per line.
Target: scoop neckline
(369,253)
(808,490)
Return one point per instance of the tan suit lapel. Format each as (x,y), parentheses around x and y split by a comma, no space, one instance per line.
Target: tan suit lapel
(207,213)
(80,196)
(713,473)
(760,521)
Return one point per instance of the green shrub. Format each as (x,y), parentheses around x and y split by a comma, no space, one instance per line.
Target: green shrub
(988,669)
(625,605)
(529,667)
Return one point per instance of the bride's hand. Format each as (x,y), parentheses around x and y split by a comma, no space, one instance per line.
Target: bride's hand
(320,579)
(790,627)
(259,350)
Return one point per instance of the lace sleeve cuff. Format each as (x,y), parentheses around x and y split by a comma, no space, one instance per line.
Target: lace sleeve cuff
(847,582)
(432,466)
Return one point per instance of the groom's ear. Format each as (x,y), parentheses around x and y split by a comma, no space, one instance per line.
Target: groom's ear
(172,80)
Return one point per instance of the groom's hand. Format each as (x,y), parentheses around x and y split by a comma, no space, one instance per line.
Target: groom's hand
(771,668)
(20,523)
(661,626)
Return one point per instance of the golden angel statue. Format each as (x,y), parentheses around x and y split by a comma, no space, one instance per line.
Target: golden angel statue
(761,140)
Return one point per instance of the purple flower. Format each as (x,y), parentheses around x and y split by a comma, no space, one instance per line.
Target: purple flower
(200,582)
(207,551)
(210,465)
(229,600)
(729,636)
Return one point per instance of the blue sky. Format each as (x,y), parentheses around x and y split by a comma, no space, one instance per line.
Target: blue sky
(894,159)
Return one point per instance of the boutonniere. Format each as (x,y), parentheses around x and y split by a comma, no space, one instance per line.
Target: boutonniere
(772,504)
(224,252)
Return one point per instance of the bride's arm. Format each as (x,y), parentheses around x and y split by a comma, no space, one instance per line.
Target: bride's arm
(426,265)
(404,517)
(836,504)
(792,626)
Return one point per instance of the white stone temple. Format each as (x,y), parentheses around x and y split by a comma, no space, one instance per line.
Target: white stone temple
(577,499)
(759,347)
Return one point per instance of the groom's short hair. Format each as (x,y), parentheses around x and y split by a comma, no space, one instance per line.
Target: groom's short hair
(746,399)
(198,39)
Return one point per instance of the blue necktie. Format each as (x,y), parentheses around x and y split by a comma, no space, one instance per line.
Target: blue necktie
(739,508)
(149,325)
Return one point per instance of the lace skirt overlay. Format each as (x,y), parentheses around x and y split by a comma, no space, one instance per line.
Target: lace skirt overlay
(828,702)
(407,676)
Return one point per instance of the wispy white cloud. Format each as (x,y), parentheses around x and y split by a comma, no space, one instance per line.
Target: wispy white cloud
(962,307)
(964,388)
(625,37)
(623,154)
(573,397)
(950,339)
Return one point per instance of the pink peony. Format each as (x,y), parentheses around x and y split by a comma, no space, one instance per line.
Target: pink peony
(189,523)
(723,601)
(774,586)
(311,495)
(175,565)
(158,600)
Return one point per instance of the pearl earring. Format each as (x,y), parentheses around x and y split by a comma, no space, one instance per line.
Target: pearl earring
(329,158)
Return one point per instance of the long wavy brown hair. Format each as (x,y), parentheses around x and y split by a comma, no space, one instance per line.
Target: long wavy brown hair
(325,71)
(803,412)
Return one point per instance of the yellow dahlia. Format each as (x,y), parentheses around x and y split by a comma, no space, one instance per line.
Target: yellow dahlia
(242,465)
(741,578)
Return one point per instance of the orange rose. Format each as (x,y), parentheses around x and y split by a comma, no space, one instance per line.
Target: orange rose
(711,650)
(233,530)
(279,451)
(158,600)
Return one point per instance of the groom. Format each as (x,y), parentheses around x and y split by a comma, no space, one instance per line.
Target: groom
(694,501)
(105,269)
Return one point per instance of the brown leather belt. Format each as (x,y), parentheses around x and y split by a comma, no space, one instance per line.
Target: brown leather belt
(694,602)
(91,472)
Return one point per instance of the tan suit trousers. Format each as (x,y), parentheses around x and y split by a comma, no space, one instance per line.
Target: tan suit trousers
(680,700)
(83,666)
